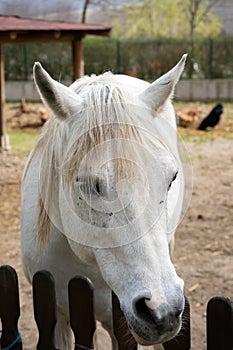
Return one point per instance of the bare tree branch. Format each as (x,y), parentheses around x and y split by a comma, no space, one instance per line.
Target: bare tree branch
(84,11)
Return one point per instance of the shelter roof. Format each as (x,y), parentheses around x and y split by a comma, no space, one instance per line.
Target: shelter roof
(14,29)
(19,27)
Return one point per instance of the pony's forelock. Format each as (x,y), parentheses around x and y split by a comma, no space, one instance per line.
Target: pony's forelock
(109,113)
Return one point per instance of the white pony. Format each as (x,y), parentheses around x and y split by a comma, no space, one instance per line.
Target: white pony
(102,194)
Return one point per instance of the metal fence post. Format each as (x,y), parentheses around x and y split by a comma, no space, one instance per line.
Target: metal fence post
(211,53)
(118,58)
(25,61)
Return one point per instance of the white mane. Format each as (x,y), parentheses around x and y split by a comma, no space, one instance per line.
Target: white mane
(109,112)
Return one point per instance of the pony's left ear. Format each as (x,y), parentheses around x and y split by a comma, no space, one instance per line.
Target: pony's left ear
(161,89)
(61,100)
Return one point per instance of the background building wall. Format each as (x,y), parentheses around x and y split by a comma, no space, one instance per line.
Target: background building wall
(186,90)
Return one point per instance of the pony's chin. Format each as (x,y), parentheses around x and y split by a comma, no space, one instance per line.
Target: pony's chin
(144,342)
(141,341)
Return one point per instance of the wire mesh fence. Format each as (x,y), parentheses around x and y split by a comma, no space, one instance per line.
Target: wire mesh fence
(145,59)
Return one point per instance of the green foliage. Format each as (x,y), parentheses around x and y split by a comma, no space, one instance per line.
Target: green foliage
(22,142)
(146,59)
(210,27)
(152,18)
(100,55)
(167,18)
(19,60)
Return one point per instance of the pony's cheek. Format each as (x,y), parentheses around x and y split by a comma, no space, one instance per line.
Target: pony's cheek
(85,255)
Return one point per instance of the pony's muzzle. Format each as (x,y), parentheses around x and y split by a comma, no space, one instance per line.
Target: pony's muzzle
(164,320)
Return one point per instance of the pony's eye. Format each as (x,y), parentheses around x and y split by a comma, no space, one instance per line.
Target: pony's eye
(89,184)
(79,180)
(96,186)
(174,177)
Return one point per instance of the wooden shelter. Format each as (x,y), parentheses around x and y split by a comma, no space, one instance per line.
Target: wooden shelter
(15,30)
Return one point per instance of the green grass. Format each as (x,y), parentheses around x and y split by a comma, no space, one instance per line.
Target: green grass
(197,138)
(22,142)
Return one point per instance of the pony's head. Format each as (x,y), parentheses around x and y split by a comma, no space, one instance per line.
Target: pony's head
(111,181)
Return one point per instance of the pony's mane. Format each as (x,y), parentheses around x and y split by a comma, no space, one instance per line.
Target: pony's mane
(108,109)
(109,112)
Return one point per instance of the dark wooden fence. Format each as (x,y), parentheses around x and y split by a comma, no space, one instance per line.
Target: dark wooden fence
(82,316)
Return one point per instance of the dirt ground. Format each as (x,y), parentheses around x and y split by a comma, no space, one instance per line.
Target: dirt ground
(204,240)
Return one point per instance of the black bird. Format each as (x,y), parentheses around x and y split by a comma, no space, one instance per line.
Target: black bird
(212,118)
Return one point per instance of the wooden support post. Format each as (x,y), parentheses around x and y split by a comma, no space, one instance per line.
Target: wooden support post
(78,61)
(4,141)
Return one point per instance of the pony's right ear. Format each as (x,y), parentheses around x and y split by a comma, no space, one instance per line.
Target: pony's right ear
(62,101)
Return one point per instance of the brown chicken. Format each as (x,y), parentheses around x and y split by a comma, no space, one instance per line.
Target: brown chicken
(44,114)
(24,106)
(187,119)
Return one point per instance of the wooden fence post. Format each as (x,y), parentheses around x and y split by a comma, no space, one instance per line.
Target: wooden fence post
(82,316)
(45,310)
(9,308)
(183,339)
(82,312)
(124,338)
(219,324)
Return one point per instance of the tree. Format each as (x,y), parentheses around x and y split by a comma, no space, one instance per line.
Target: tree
(149,18)
(186,19)
(200,16)
(201,21)
(168,18)
(84,10)
(95,3)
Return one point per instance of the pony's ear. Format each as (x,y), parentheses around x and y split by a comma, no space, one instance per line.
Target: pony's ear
(61,100)
(161,89)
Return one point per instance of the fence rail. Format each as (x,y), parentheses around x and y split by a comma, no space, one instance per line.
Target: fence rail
(82,316)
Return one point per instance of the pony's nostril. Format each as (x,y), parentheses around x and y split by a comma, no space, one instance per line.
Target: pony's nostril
(141,308)
(164,316)
(144,313)
(139,305)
